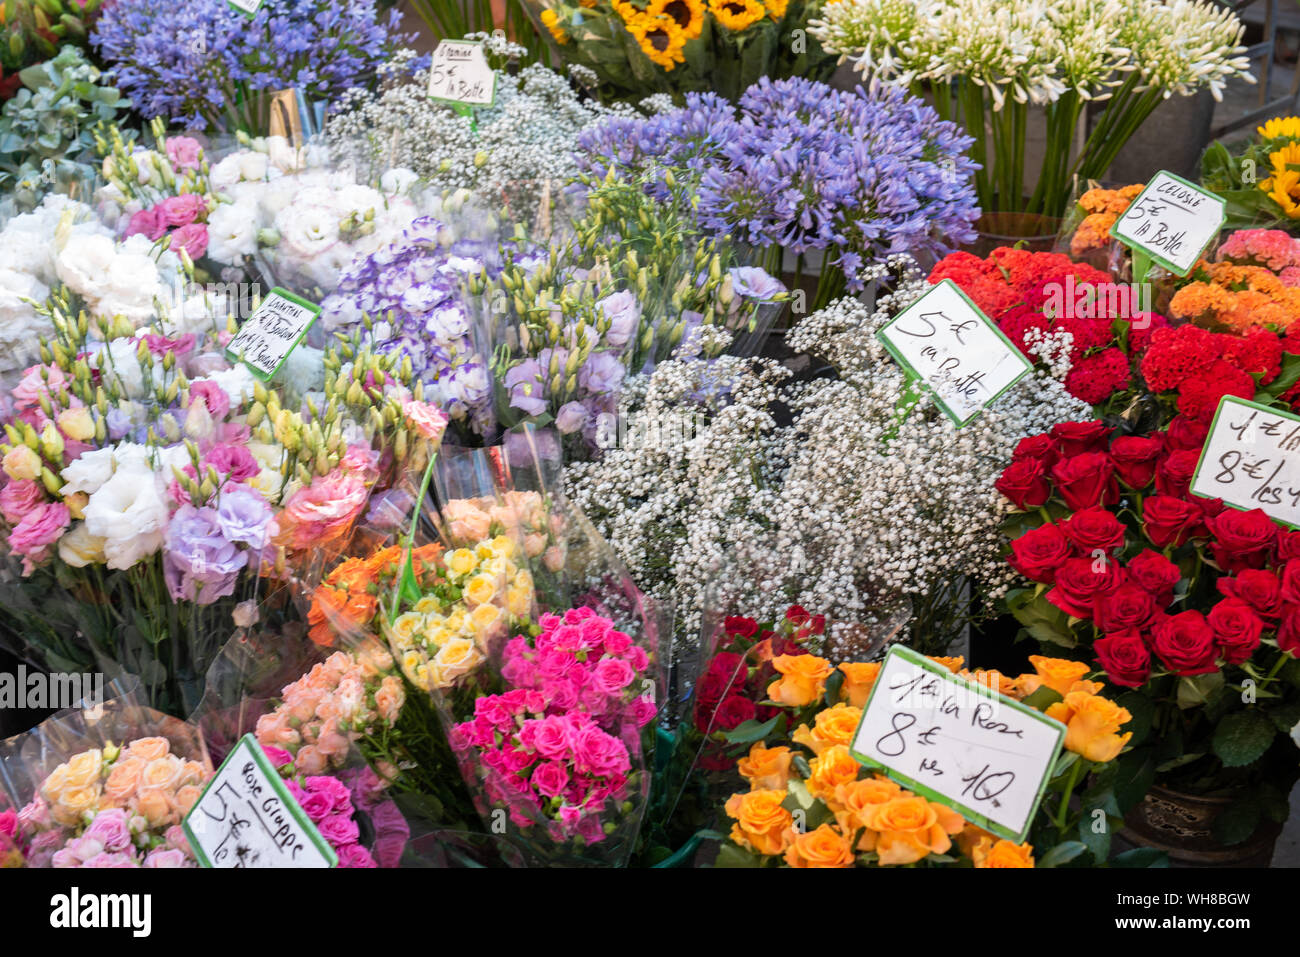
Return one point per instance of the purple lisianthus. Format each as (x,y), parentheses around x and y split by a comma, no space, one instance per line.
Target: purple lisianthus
(199,563)
(751,282)
(624,313)
(572,417)
(602,373)
(244,516)
(527,392)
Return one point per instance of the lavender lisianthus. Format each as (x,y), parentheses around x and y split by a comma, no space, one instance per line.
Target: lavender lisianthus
(199,563)
(244,516)
(624,313)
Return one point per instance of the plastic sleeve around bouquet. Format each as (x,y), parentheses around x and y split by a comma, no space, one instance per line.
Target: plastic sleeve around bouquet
(105,786)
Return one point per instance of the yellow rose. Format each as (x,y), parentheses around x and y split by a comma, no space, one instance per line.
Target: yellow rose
(803,679)
(524,579)
(859,678)
(21,464)
(54,783)
(830,769)
(1002,854)
(73,803)
(480,590)
(909,828)
(503,546)
(823,847)
(406,627)
(484,618)
(84,768)
(455,621)
(462,561)
(762,824)
(77,424)
(766,769)
(519,602)
(455,658)
(429,605)
(410,661)
(1057,673)
(834,725)
(1092,725)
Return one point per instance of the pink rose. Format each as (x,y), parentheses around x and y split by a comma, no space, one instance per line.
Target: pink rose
(193,239)
(551,737)
(334,790)
(598,752)
(110,829)
(316,806)
(277,756)
(183,151)
(20,499)
(612,675)
(551,778)
(148,223)
(35,535)
(339,829)
(354,855)
(181,210)
(643,711)
(166,857)
(105,860)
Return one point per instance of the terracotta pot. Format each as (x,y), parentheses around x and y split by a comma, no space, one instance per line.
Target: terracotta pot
(1182,825)
(1037,232)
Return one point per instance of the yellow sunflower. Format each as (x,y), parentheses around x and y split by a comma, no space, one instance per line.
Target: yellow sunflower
(687,14)
(737,15)
(776,8)
(1281,126)
(1283,187)
(551,22)
(659,38)
(629,12)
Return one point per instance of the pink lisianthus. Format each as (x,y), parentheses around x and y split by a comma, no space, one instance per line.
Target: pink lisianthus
(38,381)
(324,510)
(181,210)
(184,151)
(233,462)
(20,499)
(192,238)
(428,420)
(33,538)
(149,223)
(181,345)
(361,460)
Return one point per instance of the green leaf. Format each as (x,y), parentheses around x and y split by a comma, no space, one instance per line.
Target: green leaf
(1043,698)
(1197,691)
(750,731)
(733,855)
(1237,821)
(1062,854)
(1137,772)
(1243,737)
(1140,857)
(1142,710)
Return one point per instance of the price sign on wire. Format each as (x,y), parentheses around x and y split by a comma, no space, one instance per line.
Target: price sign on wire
(958,743)
(1171,222)
(460,74)
(1252,460)
(944,341)
(248,7)
(246,817)
(274,330)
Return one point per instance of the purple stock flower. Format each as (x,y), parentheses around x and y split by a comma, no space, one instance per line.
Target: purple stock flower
(199,563)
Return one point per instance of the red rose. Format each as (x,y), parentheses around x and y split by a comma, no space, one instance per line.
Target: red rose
(1125,658)
(1242,539)
(1174,475)
(1236,629)
(1081,581)
(727,664)
(711,688)
(1076,438)
(1185,433)
(1135,458)
(796,614)
(734,712)
(1024,483)
(1169,521)
(1042,447)
(1288,632)
(815,625)
(1257,588)
(1038,553)
(1085,480)
(1288,545)
(1156,574)
(1185,643)
(1128,607)
(740,626)
(1290,585)
(1094,528)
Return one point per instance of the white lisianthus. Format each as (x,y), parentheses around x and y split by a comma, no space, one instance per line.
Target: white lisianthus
(88,472)
(398,180)
(117,361)
(79,548)
(83,264)
(129,512)
(232,232)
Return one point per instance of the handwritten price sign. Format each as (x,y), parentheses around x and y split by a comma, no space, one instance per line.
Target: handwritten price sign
(246,817)
(460,74)
(1171,222)
(958,743)
(1252,460)
(248,7)
(946,342)
(272,332)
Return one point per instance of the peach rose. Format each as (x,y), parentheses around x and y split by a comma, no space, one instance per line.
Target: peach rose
(766,769)
(802,681)
(389,699)
(156,807)
(123,779)
(186,798)
(762,824)
(162,773)
(1002,854)
(823,847)
(149,749)
(909,828)
(859,678)
(309,760)
(834,725)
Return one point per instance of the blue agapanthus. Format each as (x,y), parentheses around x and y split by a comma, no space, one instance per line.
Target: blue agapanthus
(856,175)
(199,63)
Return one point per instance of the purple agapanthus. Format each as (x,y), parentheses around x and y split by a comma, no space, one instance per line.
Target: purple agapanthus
(410,292)
(858,175)
(190,61)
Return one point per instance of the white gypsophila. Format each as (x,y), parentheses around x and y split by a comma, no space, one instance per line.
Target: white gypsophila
(859,513)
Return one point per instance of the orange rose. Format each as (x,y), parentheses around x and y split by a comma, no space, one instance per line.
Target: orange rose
(1002,854)
(766,769)
(149,749)
(995,680)
(834,725)
(909,828)
(859,677)
(855,797)
(823,847)
(803,679)
(1057,673)
(1092,724)
(156,808)
(762,824)
(952,664)
(830,769)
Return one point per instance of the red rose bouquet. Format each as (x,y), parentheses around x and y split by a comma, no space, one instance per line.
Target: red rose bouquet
(1192,604)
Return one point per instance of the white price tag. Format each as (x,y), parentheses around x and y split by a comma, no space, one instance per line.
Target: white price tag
(249,7)
(1252,460)
(1172,221)
(959,743)
(946,342)
(274,329)
(460,74)
(246,817)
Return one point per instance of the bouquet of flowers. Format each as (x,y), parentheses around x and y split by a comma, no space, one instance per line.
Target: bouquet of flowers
(810,803)
(1087,227)
(1176,596)
(985,62)
(1260,184)
(1251,283)
(684,46)
(105,787)
(861,175)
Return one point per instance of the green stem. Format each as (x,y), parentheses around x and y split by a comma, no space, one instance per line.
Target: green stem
(1063,811)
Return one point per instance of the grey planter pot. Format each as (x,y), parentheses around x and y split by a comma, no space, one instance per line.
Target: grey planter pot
(1172,138)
